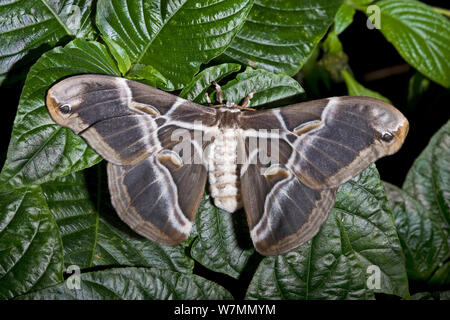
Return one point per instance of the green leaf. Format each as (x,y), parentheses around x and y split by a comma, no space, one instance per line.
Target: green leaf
(269,87)
(428,180)
(334,60)
(418,85)
(441,276)
(314,76)
(419,35)
(356,3)
(89,240)
(120,54)
(134,284)
(196,89)
(118,245)
(174,37)
(438,295)
(423,237)
(358,233)
(223,243)
(332,44)
(280,35)
(41,150)
(150,76)
(356,89)
(28,28)
(343,18)
(68,201)
(30,247)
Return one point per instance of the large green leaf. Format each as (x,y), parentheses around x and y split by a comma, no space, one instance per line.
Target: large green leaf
(41,150)
(119,245)
(174,37)
(280,35)
(30,246)
(420,35)
(134,284)
(423,235)
(28,28)
(358,235)
(223,243)
(89,240)
(68,201)
(428,180)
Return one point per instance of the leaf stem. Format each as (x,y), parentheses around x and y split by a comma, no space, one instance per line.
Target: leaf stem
(442,11)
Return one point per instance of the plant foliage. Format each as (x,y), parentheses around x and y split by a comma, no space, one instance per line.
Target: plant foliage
(54,214)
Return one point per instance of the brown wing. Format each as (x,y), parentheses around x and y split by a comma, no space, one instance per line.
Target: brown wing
(156,180)
(321,144)
(326,142)
(282,212)
(122,120)
(157,198)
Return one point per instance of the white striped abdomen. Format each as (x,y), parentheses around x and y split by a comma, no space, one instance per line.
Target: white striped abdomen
(223,176)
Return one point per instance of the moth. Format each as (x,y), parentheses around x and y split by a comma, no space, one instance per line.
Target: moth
(162,150)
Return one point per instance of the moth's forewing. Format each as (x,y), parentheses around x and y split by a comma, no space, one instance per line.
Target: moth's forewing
(131,125)
(322,144)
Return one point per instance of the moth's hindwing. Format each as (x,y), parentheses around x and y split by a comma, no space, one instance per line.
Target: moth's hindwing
(322,144)
(131,126)
(282,212)
(156,199)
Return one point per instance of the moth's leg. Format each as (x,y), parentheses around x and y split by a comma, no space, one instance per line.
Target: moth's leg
(246,102)
(208,99)
(219,92)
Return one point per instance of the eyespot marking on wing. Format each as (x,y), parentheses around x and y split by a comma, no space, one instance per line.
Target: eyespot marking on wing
(65,108)
(387,136)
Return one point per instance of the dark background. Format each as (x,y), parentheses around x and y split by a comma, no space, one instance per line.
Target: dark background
(368,51)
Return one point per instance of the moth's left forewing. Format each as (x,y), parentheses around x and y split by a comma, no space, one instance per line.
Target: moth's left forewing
(119,118)
(155,187)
